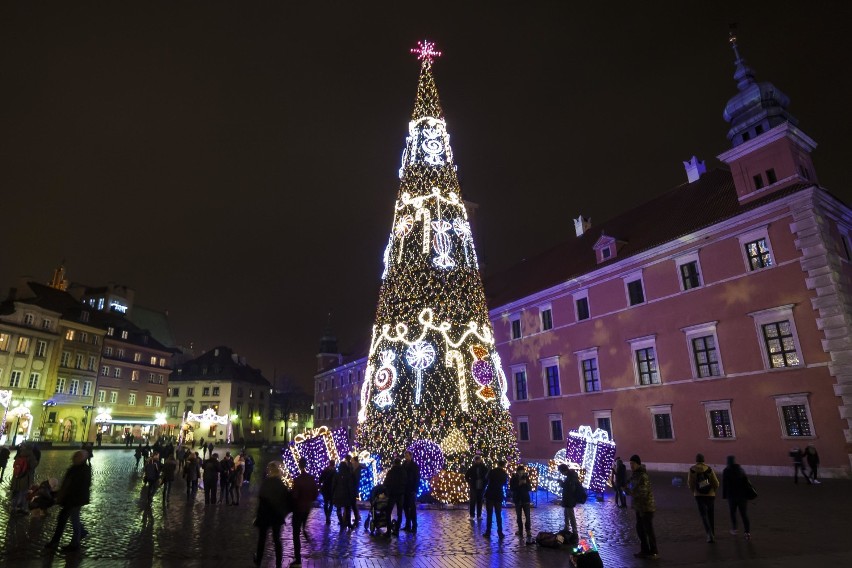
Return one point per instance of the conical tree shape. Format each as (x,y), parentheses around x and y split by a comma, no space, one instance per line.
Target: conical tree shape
(434,378)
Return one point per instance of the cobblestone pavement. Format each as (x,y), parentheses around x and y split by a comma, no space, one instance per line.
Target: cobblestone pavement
(791,524)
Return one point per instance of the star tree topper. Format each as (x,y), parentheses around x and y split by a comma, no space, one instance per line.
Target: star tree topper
(425,51)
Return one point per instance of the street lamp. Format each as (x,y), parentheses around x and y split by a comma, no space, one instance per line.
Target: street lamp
(84,436)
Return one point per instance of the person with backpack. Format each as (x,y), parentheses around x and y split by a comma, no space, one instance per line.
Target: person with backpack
(494,484)
(521,486)
(737,490)
(274,504)
(571,488)
(702,481)
(23,476)
(639,488)
(475,477)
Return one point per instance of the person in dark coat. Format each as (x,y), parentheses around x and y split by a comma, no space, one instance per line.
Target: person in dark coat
(226,467)
(735,488)
(151,477)
(799,465)
(138,454)
(520,485)
(475,477)
(569,496)
(326,480)
(412,484)
(191,472)
(812,457)
(4,460)
(169,469)
(395,484)
(74,493)
(619,483)
(272,508)
(356,487)
(211,478)
(342,495)
(494,484)
(249,461)
(304,494)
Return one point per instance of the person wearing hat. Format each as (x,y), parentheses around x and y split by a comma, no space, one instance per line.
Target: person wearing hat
(702,481)
(494,484)
(475,476)
(569,487)
(639,488)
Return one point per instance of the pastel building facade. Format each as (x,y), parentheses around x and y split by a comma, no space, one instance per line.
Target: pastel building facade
(715,318)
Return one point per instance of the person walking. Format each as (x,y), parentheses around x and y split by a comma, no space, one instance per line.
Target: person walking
(702,481)
(151,478)
(191,472)
(356,488)
(23,477)
(304,494)
(494,484)
(74,494)
(412,484)
(620,479)
(341,494)
(138,454)
(226,466)
(249,468)
(521,486)
(812,457)
(639,489)
(236,484)
(211,478)
(272,508)
(326,480)
(475,476)
(395,483)
(99,438)
(4,461)
(799,465)
(569,497)
(169,470)
(736,489)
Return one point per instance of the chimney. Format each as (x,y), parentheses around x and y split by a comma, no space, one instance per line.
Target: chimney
(694,169)
(581,225)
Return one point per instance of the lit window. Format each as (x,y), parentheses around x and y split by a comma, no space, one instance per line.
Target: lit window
(124,334)
(794,413)
(153,360)
(4,341)
(137,357)
(23,345)
(719,419)
(134,375)
(110,331)
(777,332)
(69,335)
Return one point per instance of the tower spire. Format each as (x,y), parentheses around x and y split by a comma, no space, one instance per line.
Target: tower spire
(744,75)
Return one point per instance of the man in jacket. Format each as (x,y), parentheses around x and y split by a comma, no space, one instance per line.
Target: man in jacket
(620,480)
(521,486)
(272,509)
(639,488)
(341,495)
(569,497)
(395,482)
(304,494)
(412,483)
(494,484)
(702,481)
(191,472)
(326,480)
(73,494)
(211,478)
(475,477)
(151,477)
(356,487)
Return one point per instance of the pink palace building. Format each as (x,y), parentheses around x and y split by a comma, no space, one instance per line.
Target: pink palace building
(715,318)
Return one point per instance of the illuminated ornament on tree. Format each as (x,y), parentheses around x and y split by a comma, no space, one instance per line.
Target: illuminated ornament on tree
(501,380)
(462,231)
(454,443)
(384,380)
(449,487)
(442,244)
(425,50)
(420,356)
(595,453)
(483,372)
(403,226)
(454,358)
(386,258)
(426,217)
(428,456)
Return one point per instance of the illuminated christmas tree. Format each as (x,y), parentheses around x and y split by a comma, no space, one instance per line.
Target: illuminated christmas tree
(434,381)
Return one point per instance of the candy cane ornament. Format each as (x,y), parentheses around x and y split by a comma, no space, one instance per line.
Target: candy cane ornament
(455,358)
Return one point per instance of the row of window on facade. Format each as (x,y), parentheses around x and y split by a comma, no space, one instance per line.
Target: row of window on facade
(757,255)
(205,391)
(327,411)
(345,380)
(150,400)
(793,410)
(777,334)
(119,353)
(116,373)
(22,345)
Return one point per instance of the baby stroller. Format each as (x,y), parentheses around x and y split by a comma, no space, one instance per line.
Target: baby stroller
(379,516)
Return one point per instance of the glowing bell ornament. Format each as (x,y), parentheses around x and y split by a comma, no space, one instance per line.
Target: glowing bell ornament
(483,372)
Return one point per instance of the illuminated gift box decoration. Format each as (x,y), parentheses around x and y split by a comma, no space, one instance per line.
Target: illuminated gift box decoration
(449,487)
(595,454)
(317,447)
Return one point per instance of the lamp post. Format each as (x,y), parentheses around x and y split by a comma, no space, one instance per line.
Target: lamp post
(84,436)
(44,406)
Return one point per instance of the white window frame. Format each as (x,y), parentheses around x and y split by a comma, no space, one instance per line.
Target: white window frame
(525,420)
(35,379)
(15,379)
(41,348)
(710,405)
(541,309)
(774,315)
(551,418)
(87,388)
(702,330)
(116,373)
(512,319)
(585,355)
(604,414)
(662,409)
(108,351)
(545,363)
(643,343)
(74,387)
(801,398)
(113,397)
(750,237)
(633,277)
(131,399)
(519,369)
(101,395)
(686,259)
(60,385)
(158,401)
(577,296)
(149,400)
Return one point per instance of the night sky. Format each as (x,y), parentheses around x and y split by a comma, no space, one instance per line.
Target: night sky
(236,164)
